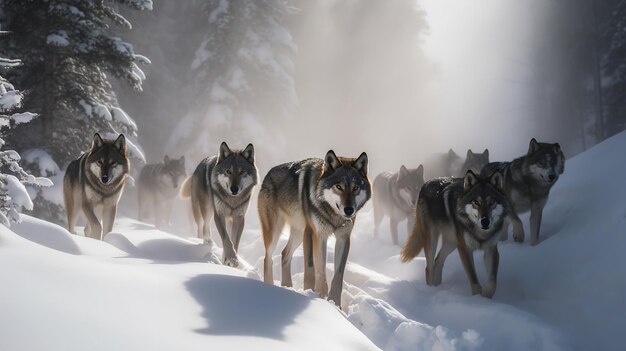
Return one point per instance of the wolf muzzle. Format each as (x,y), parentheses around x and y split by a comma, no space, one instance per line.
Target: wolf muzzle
(484,223)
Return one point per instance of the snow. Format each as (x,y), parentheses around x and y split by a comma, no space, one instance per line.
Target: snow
(59,38)
(17,190)
(10,100)
(23,117)
(47,165)
(566,293)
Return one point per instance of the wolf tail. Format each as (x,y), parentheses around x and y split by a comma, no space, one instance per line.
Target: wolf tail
(415,243)
(185,189)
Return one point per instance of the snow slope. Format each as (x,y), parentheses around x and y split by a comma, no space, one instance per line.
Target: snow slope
(148,289)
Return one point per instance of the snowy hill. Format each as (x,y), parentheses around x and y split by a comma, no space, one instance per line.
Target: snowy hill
(147,289)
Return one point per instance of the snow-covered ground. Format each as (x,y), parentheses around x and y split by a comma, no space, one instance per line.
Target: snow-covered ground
(148,289)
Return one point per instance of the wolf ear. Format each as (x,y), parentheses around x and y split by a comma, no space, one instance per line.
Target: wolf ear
(420,172)
(361,164)
(469,181)
(97,141)
(403,172)
(331,162)
(181,160)
(120,144)
(469,155)
(486,153)
(452,154)
(166,159)
(248,153)
(224,152)
(496,179)
(533,146)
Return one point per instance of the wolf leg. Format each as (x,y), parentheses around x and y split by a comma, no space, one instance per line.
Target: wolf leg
(95,228)
(309,265)
(467,259)
(504,232)
(378,217)
(492,259)
(108,218)
(446,248)
(237,230)
(319,259)
(393,226)
(342,248)
(518,227)
(295,239)
(229,256)
(536,214)
(430,248)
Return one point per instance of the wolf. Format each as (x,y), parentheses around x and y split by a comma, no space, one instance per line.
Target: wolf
(317,198)
(468,214)
(157,188)
(450,164)
(221,187)
(395,195)
(94,183)
(527,183)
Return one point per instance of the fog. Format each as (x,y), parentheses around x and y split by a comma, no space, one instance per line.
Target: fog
(400,80)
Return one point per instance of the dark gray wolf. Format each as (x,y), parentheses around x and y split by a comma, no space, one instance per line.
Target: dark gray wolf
(158,185)
(468,214)
(221,187)
(94,183)
(527,183)
(316,198)
(395,195)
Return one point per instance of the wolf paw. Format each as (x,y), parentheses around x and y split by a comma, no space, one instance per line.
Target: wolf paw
(488,290)
(476,289)
(534,242)
(231,262)
(518,238)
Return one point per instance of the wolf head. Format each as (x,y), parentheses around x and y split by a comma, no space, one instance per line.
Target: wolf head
(173,171)
(544,162)
(475,161)
(344,184)
(108,159)
(483,202)
(409,183)
(235,169)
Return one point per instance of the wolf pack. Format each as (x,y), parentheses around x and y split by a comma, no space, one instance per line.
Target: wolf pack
(467,204)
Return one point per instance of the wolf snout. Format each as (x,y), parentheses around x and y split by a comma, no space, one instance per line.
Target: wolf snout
(551,177)
(348,210)
(105,178)
(484,222)
(234,189)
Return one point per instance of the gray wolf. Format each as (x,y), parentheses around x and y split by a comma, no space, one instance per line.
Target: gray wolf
(527,183)
(450,164)
(316,198)
(221,187)
(467,213)
(395,195)
(158,185)
(94,183)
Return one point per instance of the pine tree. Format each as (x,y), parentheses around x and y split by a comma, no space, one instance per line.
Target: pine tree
(69,56)
(13,178)
(614,65)
(243,70)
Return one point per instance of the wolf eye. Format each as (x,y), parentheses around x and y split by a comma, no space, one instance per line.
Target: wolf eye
(355,188)
(241,172)
(475,203)
(99,162)
(229,172)
(339,187)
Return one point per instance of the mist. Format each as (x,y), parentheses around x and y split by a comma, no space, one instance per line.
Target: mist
(400,80)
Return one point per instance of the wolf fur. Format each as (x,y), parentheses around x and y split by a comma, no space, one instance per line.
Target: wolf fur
(527,183)
(94,183)
(221,187)
(316,198)
(395,195)
(468,214)
(158,185)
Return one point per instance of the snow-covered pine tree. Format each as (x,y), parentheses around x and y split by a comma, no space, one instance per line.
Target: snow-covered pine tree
(70,53)
(13,194)
(244,69)
(614,65)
